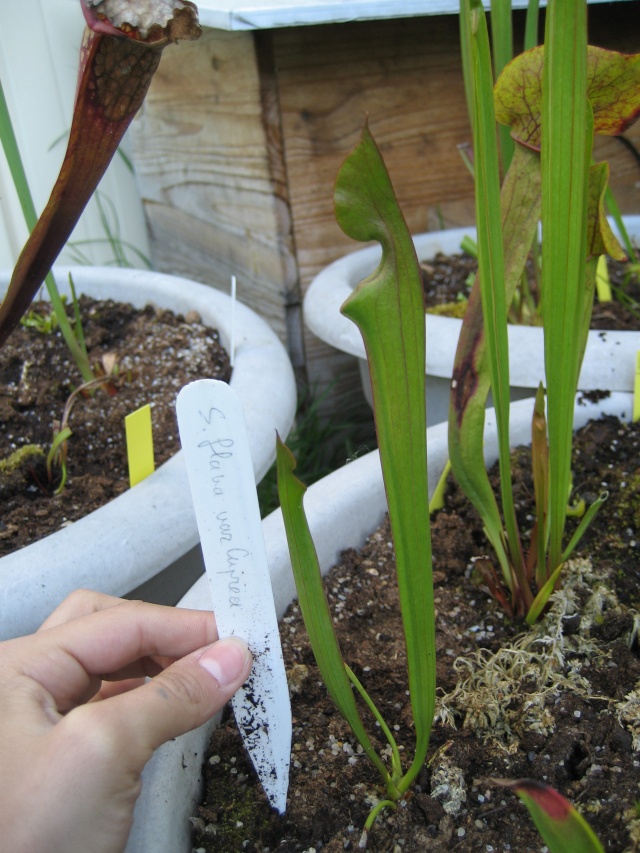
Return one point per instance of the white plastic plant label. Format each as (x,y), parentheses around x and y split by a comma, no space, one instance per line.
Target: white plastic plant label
(216,450)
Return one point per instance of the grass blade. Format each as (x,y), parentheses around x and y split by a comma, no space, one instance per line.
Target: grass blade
(491,266)
(502,49)
(531,25)
(585,521)
(565,158)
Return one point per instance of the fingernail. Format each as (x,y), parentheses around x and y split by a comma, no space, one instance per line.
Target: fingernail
(225,660)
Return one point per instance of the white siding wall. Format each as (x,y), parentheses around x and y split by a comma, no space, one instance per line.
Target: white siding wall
(39,47)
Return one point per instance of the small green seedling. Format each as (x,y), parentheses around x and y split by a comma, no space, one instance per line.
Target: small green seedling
(57,455)
(45,323)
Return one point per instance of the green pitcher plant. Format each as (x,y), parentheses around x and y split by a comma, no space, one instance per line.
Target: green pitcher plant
(388,308)
(554,98)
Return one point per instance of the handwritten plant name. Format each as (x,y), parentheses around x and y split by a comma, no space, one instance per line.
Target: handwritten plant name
(234,556)
(220,456)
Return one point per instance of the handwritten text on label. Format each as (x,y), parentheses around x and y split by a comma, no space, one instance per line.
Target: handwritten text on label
(219,453)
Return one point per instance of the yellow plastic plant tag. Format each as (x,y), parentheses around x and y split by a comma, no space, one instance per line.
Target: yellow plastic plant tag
(636,390)
(603,286)
(139,444)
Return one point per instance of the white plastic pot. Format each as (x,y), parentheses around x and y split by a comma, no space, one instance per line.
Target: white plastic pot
(146,539)
(342,510)
(609,361)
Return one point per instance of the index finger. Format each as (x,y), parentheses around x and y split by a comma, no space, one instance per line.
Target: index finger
(79,603)
(66,659)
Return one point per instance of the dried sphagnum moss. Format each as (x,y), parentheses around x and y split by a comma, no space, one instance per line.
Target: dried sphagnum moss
(513,690)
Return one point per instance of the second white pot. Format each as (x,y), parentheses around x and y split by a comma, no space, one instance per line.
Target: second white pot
(609,360)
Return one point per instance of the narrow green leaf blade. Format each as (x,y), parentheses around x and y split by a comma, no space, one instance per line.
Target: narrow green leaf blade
(482,357)
(541,599)
(14,161)
(491,263)
(520,204)
(502,49)
(583,526)
(531,25)
(313,602)
(567,134)
(465,54)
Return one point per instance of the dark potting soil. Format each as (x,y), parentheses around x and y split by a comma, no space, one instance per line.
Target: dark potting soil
(156,352)
(560,704)
(444,280)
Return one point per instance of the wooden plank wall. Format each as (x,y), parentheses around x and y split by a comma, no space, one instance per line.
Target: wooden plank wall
(617,27)
(243,133)
(213,189)
(406,76)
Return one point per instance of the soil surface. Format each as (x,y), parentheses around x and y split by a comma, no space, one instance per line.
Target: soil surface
(555,703)
(156,353)
(446,291)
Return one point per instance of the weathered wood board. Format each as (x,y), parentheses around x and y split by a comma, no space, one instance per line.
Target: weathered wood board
(214,204)
(405,76)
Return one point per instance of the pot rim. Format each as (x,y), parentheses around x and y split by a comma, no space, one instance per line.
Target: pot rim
(609,360)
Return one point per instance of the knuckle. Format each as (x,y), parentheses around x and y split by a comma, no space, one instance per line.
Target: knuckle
(79,596)
(84,600)
(182,685)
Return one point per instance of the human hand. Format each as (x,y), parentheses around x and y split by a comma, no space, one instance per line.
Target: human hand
(78,721)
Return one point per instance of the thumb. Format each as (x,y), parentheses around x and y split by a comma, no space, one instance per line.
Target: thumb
(183,696)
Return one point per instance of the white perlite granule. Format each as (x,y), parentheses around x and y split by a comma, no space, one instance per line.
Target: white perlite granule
(142,14)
